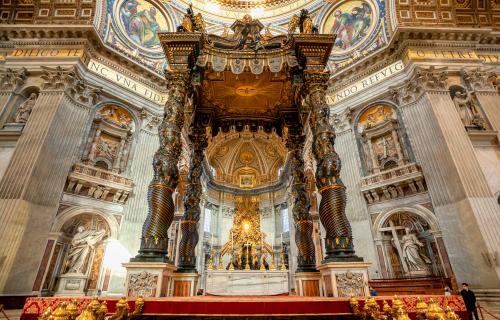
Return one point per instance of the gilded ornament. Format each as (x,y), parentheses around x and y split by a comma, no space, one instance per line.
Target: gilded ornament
(421,307)
(60,313)
(102,311)
(139,306)
(72,309)
(401,314)
(434,311)
(87,314)
(450,314)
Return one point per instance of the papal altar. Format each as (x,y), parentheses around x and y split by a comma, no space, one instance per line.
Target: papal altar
(241,282)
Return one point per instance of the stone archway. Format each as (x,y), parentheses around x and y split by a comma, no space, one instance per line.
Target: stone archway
(409,244)
(77,262)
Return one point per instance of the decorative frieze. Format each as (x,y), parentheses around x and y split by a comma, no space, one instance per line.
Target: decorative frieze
(99,184)
(391,184)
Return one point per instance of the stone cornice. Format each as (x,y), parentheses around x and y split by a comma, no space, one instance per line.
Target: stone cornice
(405,37)
(12,36)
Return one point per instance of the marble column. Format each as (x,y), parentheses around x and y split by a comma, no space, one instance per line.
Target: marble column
(338,240)
(31,187)
(356,208)
(306,260)
(462,201)
(154,239)
(135,211)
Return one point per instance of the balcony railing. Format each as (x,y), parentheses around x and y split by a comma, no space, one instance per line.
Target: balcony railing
(87,180)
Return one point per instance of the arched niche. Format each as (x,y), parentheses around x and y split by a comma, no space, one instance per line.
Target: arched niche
(381,138)
(109,143)
(409,244)
(81,239)
(468,109)
(19,108)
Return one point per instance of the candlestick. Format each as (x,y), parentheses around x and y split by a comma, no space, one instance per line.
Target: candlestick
(212,242)
(247,265)
(273,266)
(210,262)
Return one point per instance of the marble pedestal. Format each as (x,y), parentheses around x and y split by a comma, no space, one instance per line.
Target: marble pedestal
(240,282)
(148,279)
(345,279)
(71,284)
(184,284)
(308,284)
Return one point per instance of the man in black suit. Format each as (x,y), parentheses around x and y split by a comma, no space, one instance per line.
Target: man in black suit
(469,300)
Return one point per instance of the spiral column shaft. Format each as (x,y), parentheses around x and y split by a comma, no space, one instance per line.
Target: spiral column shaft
(338,241)
(306,260)
(154,239)
(192,211)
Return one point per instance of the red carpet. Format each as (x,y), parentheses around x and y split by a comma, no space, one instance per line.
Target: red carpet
(238,305)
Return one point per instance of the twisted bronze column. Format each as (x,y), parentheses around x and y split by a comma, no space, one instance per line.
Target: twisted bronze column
(306,261)
(189,223)
(338,241)
(154,240)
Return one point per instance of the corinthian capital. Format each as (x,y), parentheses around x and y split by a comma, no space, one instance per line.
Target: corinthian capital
(423,79)
(481,80)
(10,78)
(72,82)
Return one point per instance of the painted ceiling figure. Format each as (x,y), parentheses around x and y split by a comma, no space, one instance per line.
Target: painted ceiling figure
(141,25)
(351,27)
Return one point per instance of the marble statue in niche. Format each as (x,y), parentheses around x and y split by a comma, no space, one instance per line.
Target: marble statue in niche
(413,255)
(467,109)
(410,246)
(83,242)
(24,110)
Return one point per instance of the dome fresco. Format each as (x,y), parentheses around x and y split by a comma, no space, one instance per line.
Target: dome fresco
(130,26)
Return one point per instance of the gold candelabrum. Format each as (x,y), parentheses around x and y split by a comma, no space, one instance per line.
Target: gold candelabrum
(371,310)
(94,310)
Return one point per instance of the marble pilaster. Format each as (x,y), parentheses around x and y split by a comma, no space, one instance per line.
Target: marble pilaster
(462,201)
(356,209)
(31,187)
(136,208)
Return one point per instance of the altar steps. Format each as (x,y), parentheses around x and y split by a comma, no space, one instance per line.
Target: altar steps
(415,286)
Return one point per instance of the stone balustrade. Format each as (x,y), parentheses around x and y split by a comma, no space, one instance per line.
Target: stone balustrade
(87,180)
(395,183)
